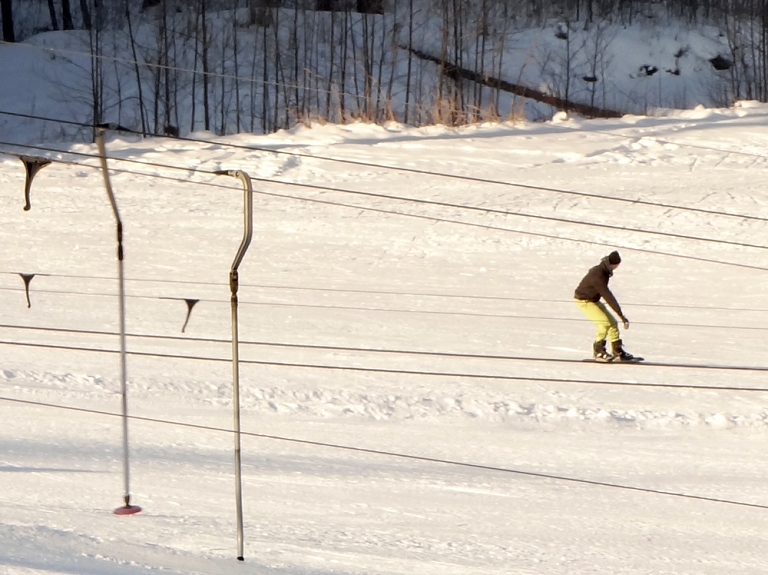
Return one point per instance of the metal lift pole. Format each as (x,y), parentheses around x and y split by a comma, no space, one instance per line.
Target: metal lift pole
(233,286)
(126,509)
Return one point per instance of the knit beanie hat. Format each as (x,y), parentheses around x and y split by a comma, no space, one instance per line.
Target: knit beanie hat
(614,258)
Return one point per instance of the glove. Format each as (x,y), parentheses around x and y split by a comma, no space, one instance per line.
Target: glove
(625,321)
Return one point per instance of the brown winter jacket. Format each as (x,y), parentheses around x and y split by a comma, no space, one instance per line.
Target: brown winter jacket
(594,285)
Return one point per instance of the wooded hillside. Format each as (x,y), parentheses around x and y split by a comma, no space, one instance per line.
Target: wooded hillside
(167,66)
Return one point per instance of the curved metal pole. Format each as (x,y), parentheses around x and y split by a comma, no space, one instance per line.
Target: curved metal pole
(127,509)
(233,286)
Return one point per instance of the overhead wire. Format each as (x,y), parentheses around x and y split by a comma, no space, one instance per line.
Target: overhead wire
(434,203)
(470,297)
(475,179)
(706,367)
(457,206)
(398,455)
(500,316)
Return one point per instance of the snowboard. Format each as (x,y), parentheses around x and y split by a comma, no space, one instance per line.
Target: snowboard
(633,360)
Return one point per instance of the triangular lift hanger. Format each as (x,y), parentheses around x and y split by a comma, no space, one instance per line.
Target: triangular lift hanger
(27,278)
(32,165)
(190,304)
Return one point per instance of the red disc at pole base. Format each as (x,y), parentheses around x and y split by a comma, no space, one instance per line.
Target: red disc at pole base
(127,510)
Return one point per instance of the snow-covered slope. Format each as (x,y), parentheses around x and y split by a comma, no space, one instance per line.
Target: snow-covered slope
(458,336)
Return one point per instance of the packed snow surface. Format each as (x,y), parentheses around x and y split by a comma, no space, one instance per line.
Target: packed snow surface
(412,391)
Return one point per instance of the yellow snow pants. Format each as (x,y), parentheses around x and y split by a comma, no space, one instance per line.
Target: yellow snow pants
(606,326)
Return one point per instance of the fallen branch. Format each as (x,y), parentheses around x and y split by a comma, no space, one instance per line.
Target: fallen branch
(456,73)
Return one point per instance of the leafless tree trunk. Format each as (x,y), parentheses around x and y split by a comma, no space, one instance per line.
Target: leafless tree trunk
(97,77)
(296,64)
(331,63)
(344,56)
(370,6)
(502,20)
(169,65)
(598,59)
(355,73)
(52,12)
(264,79)
(196,56)
(485,31)
(367,64)
(259,12)
(392,65)
(6,8)
(98,11)
(409,72)
(66,15)
(438,114)
(237,68)
(381,61)
(280,81)
(137,70)
(174,79)
(457,96)
(763,57)
(118,81)
(568,62)
(86,14)
(206,97)
(223,84)
(307,43)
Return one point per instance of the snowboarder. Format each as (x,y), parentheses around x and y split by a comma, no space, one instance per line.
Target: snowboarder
(587,296)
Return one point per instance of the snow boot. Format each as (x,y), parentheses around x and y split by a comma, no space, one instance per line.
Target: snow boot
(599,352)
(619,354)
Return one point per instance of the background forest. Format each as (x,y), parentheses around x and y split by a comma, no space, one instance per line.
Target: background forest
(228,66)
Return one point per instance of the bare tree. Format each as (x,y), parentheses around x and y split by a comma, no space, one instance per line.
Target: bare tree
(52,12)
(597,51)
(366,44)
(205,62)
(196,57)
(370,6)
(481,37)
(97,75)
(236,62)
(85,13)
(457,96)
(394,51)
(66,15)
(343,69)
(409,70)
(259,12)
(137,70)
(6,9)
(329,86)
(568,61)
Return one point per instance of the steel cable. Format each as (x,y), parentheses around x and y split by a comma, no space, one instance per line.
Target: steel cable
(402,456)
(466,375)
